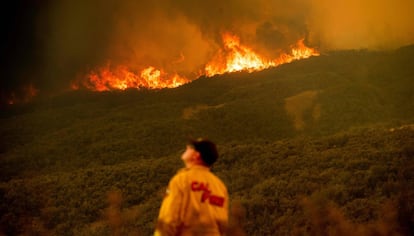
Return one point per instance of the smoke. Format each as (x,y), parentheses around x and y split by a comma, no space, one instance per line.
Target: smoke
(370,24)
(69,37)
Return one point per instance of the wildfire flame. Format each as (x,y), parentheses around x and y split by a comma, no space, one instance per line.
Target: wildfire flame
(237,57)
(121,78)
(233,57)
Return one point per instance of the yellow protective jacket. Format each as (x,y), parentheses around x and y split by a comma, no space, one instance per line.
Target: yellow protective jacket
(196,203)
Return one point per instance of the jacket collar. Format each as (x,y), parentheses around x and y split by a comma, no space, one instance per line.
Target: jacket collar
(199,167)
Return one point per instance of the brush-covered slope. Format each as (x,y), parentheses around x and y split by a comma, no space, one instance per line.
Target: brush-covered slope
(318,128)
(318,96)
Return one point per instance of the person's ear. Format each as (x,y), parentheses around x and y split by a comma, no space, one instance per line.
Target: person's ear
(197,156)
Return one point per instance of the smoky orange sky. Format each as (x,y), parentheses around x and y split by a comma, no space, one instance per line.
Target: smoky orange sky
(59,39)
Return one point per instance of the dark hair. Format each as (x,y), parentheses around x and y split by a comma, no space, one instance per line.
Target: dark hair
(207,150)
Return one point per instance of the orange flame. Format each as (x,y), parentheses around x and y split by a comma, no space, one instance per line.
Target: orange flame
(121,78)
(237,57)
(233,57)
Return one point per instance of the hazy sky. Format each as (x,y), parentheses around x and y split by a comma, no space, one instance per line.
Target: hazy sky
(48,42)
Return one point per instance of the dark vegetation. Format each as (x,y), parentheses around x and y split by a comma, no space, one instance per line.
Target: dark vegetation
(85,163)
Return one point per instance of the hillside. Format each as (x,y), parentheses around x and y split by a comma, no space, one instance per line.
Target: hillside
(333,129)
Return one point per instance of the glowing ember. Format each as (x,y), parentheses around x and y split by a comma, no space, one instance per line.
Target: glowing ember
(237,57)
(121,78)
(25,94)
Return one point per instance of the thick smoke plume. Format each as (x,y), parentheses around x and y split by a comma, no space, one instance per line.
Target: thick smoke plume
(49,43)
(366,24)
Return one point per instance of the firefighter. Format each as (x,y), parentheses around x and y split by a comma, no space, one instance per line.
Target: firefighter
(196,201)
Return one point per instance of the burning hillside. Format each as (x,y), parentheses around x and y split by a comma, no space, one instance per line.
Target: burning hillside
(121,78)
(114,45)
(238,57)
(233,57)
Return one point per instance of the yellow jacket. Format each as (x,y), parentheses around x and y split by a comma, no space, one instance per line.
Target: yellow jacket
(196,203)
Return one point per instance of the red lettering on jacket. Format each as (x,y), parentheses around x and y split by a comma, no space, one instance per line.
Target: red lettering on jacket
(212,199)
(196,186)
(216,200)
(205,196)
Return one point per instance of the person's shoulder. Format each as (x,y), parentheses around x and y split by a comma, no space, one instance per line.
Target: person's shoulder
(180,178)
(218,180)
(180,173)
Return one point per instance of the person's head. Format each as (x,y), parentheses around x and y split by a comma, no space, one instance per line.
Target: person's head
(200,151)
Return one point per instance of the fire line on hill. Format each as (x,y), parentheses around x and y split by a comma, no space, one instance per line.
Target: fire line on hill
(233,57)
